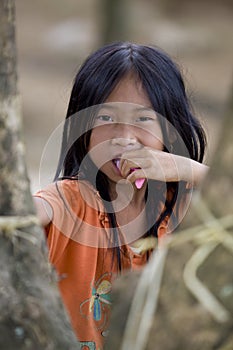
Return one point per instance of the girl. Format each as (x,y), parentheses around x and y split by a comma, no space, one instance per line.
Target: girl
(131,152)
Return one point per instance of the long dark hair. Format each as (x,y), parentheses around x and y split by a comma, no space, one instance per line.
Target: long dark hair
(164,85)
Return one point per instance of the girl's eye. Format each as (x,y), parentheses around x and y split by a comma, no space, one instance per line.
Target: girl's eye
(105,118)
(144,119)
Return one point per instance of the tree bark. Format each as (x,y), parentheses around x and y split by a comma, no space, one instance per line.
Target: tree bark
(115,21)
(32,315)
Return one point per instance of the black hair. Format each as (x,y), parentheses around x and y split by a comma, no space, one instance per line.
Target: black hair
(161,79)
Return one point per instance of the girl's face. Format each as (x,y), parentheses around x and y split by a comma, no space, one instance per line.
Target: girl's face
(126,121)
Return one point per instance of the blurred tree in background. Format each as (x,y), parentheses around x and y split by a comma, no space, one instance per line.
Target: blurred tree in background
(115,20)
(31,313)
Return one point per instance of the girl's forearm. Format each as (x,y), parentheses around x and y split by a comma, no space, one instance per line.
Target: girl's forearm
(193,171)
(199,172)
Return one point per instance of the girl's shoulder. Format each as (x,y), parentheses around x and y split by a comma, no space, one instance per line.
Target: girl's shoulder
(73,191)
(71,185)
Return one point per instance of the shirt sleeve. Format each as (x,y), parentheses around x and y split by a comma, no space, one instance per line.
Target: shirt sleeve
(60,199)
(78,212)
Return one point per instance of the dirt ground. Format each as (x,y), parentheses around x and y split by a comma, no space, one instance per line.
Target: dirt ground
(54,37)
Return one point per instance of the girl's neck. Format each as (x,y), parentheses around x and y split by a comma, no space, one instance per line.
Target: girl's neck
(129,207)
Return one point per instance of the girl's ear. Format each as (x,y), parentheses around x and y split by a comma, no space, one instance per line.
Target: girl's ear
(170,142)
(171,132)
(172,137)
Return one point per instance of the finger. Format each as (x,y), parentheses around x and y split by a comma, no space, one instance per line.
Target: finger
(144,152)
(135,175)
(126,166)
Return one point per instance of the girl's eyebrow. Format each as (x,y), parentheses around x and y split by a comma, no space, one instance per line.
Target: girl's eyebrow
(144,109)
(108,106)
(136,108)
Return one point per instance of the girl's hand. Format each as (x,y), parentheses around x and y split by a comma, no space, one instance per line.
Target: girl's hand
(162,166)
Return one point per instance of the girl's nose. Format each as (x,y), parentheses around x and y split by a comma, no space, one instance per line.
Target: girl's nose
(124,136)
(124,142)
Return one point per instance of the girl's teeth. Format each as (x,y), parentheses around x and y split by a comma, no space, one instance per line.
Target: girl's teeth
(117,162)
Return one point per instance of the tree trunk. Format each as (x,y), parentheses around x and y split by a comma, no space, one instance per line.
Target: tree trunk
(32,315)
(183,299)
(115,21)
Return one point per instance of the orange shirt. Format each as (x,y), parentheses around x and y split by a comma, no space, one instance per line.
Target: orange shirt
(81,250)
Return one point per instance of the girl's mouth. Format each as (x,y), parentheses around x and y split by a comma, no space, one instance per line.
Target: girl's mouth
(139,182)
(116,162)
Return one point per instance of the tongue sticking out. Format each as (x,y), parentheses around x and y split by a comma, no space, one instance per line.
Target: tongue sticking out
(139,183)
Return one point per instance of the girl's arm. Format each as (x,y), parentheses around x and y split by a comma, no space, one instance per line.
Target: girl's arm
(192,171)
(162,166)
(44,210)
